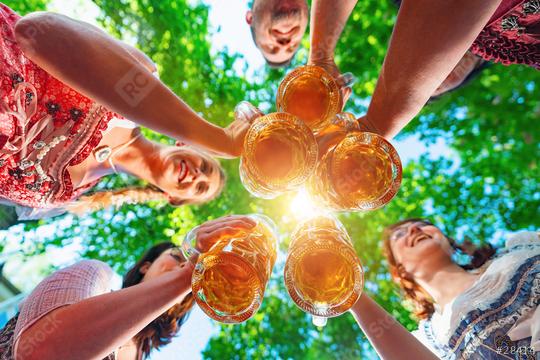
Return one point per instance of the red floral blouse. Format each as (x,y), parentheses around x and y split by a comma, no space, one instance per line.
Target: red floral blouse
(45,127)
(512,35)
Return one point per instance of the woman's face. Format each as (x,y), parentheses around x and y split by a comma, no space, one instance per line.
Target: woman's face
(169,260)
(187,176)
(420,247)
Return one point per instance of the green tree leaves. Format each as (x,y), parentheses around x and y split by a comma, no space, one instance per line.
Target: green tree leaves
(490,184)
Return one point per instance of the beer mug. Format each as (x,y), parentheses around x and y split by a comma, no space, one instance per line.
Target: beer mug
(323,274)
(279,155)
(310,93)
(229,280)
(358,170)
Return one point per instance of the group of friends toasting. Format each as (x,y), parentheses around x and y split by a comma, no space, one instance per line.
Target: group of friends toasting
(72,99)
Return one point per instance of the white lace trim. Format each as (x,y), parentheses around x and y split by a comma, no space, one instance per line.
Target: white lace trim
(489,287)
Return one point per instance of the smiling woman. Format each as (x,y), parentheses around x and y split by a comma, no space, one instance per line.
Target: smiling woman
(179,175)
(79,303)
(486,307)
(482,310)
(402,249)
(57,140)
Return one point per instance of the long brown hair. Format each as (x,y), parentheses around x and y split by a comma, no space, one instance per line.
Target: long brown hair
(162,330)
(422,302)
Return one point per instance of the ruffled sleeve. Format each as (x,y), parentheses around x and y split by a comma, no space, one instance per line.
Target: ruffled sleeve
(421,336)
(529,326)
(65,287)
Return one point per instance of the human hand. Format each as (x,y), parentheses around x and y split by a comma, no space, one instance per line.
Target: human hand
(327,140)
(183,275)
(342,124)
(366,125)
(244,115)
(247,112)
(344,81)
(210,231)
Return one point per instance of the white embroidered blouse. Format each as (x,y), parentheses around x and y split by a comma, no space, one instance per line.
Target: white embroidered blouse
(499,316)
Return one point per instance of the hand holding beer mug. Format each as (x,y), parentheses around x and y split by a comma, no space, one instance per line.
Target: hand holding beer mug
(357,171)
(279,155)
(323,274)
(236,258)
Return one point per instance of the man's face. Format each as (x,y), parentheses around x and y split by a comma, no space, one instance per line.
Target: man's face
(278,27)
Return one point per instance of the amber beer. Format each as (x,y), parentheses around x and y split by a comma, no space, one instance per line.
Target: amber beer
(312,94)
(323,274)
(229,279)
(362,171)
(279,155)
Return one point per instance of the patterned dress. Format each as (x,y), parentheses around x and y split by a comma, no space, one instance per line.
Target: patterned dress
(512,35)
(499,316)
(45,127)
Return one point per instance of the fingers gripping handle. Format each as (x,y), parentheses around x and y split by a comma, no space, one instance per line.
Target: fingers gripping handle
(245,111)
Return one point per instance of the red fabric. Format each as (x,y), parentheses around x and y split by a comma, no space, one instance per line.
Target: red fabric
(58,107)
(504,7)
(520,45)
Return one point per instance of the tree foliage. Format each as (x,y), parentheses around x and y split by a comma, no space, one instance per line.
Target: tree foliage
(27,6)
(490,183)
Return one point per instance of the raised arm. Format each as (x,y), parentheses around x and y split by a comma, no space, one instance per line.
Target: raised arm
(389,338)
(328,19)
(429,39)
(109,320)
(140,57)
(118,77)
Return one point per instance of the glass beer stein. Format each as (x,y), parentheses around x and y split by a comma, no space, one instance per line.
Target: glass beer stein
(357,171)
(323,274)
(279,155)
(230,278)
(312,94)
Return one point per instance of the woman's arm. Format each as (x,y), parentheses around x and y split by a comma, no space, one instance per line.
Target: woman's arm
(389,338)
(140,57)
(98,66)
(328,19)
(429,39)
(95,327)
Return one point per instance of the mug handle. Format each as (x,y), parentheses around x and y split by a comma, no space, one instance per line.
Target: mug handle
(189,249)
(246,111)
(347,121)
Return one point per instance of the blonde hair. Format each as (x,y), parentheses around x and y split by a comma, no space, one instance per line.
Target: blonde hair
(132,195)
(117,198)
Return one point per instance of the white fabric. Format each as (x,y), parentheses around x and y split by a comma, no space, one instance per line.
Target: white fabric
(490,286)
(121,123)
(421,336)
(26,213)
(68,286)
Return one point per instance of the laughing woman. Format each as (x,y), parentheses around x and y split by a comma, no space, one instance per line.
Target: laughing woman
(62,85)
(485,309)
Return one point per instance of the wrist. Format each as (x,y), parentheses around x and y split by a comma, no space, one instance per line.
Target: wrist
(218,141)
(179,281)
(367,125)
(321,55)
(359,303)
